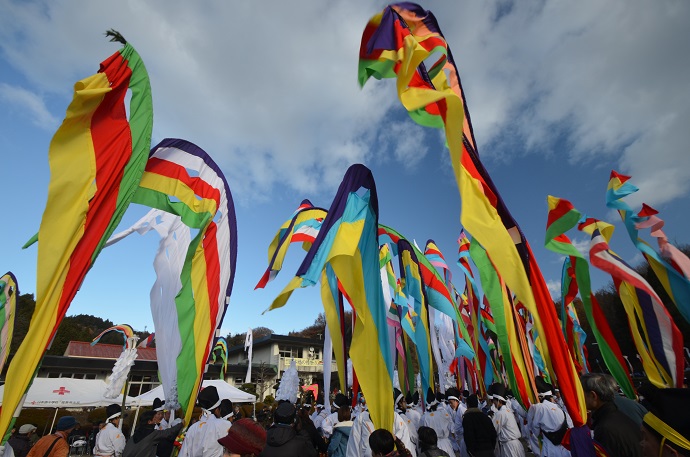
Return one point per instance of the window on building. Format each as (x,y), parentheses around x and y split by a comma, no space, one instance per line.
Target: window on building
(290,352)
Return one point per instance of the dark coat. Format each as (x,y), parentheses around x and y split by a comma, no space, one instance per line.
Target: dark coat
(145,441)
(284,441)
(20,445)
(434,451)
(479,433)
(616,432)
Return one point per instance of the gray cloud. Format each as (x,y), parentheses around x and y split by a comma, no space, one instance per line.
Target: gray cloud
(271,89)
(29,104)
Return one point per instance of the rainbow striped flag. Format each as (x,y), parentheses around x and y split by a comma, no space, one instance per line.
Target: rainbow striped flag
(660,343)
(203,202)
(347,241)
(396,43)
(563,217)
(96,157)
(667,267)
(9,289)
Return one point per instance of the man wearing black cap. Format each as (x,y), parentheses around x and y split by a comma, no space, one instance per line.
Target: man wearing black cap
(666,426)
(110,442)
(616,432)
(362,428)
(507,430)
(340,401)
(439,419)
(282,439)
(547,422)
(201,439)
(55,445)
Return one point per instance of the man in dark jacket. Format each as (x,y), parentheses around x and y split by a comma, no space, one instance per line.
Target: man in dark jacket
(145,440)
(21,441)
(479,431)
(282,440)
(615,431)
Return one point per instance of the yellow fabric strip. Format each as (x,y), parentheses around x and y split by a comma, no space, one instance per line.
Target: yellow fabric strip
(666,431)
(177,188)
(72,173)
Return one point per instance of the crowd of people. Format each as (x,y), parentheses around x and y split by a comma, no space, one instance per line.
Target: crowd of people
(454,424)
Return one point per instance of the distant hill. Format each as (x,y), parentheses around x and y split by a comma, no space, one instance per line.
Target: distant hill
(82,327)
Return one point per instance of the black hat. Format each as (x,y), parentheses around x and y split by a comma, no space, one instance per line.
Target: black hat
(543,388)
(340,401)
(208,398)
(397,396)
(285,413)
(408,398)
(465,393)
(440,397)
(453,394)
(112,411)
(499,392)
(665,415)
(430,398)
(226,409)
(509,393)
(415,397)
(472,401)
(158,404)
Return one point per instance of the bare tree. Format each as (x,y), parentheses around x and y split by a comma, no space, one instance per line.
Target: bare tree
(263,379)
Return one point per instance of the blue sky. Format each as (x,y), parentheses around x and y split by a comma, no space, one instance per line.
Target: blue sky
(560,93)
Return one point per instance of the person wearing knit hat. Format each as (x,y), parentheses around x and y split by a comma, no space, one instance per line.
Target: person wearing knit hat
(246,438)
(440,420)
(666,426)
(613,430)
(21,441)
(110,442)
(55,445)
(507,430)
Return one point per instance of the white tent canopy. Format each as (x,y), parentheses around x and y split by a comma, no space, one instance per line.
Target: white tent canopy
(68,393)
(225,390)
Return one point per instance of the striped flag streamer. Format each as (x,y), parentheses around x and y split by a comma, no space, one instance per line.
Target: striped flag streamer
(563,217)
(667,266)
(348,243)
(302,227)
(9,289)
(203,202)
(575,336)
(124,329)
(96,157)
(147,342)
(395,43)
(656,337)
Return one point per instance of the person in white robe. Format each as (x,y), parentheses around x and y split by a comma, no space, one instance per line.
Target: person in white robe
(330,421)
(438,419)
(363,427)
(110,441)
(507,431)
(548,418)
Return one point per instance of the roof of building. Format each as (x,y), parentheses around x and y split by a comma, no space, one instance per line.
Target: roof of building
(104,351)
(284,339)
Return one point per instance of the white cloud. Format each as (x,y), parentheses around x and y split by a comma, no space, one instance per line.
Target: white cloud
(29,104)
(554,287)
(270,90)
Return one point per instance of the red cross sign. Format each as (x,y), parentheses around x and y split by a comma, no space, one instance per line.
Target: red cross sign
(61,391)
